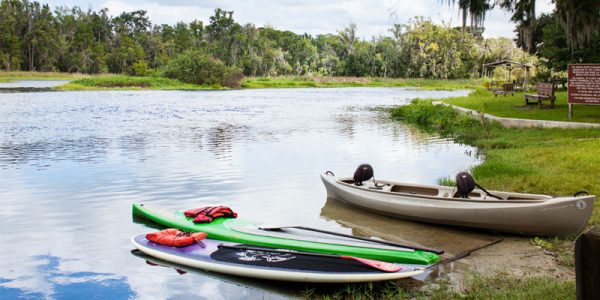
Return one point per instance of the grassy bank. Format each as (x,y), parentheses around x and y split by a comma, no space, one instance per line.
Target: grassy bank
(514,107)
(318,81)
(132,83)
(120,82)
(128,82)
(500,285)
(531,160)
(18,75)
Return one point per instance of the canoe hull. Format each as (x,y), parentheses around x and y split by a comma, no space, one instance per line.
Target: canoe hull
(203,258)
(542,215)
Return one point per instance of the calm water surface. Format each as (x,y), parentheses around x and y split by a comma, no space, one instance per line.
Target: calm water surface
(72,163)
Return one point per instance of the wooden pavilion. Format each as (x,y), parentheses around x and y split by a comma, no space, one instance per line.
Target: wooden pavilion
(508,65)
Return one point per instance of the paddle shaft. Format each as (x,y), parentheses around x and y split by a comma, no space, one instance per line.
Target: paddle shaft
(463,254)
(436,251)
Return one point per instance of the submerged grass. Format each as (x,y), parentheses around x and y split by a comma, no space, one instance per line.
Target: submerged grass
(514,107)
(331,81)
(498,285)
(530,160)
(130,82)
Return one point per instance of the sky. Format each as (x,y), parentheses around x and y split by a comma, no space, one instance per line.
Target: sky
(373,17)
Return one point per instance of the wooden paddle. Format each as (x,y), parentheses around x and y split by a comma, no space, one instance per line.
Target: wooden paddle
(436,251)
(377,264)
(462,254)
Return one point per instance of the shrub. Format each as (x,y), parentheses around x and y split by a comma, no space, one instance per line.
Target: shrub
(198,68)
(139,68)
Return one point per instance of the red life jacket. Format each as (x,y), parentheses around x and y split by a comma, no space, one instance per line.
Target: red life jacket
(209,213)
(175,237)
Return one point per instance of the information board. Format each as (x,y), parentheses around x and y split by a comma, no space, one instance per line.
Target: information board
(584,83)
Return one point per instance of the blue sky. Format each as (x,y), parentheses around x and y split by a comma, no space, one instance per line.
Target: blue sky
(373,17)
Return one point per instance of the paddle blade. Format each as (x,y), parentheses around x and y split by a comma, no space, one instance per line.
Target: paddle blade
(377,264)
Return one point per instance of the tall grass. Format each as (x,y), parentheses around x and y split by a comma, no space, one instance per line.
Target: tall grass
(25,75)
(497,285)
(330,81)
(130,82)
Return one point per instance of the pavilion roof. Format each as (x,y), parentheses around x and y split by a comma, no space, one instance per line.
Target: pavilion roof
(506,63)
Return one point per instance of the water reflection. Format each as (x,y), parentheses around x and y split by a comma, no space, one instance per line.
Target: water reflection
(47,280)
(82,150)
(221,137)
(72,163)
(366,224)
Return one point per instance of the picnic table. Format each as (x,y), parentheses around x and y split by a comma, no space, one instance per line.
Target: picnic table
(507,88)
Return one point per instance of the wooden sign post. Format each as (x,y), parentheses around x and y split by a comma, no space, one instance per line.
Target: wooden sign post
(584,85)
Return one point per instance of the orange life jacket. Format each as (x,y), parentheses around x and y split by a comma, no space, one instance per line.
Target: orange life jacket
(175,237)
(209,213)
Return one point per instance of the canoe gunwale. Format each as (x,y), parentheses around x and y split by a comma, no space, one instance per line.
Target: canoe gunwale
(543,198)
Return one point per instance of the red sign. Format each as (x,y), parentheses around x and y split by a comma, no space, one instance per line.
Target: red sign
(584,83)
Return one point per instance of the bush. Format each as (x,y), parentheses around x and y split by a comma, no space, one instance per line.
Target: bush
(139,68)
(198,68)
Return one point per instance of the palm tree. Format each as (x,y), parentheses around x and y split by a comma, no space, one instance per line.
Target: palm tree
(524,15)
(476,9)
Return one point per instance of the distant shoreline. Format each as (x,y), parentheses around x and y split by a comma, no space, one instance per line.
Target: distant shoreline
(122,82)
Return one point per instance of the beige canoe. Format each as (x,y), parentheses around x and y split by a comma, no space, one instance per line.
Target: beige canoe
(529,214)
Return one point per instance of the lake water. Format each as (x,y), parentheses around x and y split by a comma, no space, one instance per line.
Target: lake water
(72,163)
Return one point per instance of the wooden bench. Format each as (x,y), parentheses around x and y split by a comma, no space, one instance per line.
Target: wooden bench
(507,88)
(544,91)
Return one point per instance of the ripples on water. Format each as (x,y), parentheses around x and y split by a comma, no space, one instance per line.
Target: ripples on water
(72,163)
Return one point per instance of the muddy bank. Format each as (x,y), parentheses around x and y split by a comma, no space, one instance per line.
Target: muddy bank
(514,254)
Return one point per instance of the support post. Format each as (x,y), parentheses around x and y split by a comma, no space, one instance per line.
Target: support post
(587,264)
(526,83)
(570,111)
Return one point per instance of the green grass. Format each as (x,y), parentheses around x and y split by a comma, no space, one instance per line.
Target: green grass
(314,81)
(132,83)
(560,248)
(111,81)
(498,285)
(514,107)
(530,160)
(19,75)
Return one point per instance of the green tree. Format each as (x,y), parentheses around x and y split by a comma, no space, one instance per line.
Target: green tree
(580,19)
(11,18)
(554,50)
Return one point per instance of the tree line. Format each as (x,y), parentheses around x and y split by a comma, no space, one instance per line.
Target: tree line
(35,38)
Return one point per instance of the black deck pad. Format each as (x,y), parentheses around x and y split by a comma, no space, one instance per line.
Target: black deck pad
(291,261)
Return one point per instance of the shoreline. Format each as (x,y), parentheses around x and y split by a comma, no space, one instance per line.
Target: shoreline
(102,82)
(532,160)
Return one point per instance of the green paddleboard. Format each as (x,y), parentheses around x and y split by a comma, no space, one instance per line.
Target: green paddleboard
(245,232)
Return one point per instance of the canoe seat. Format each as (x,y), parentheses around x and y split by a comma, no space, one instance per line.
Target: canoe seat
(471,195)
(414,190)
